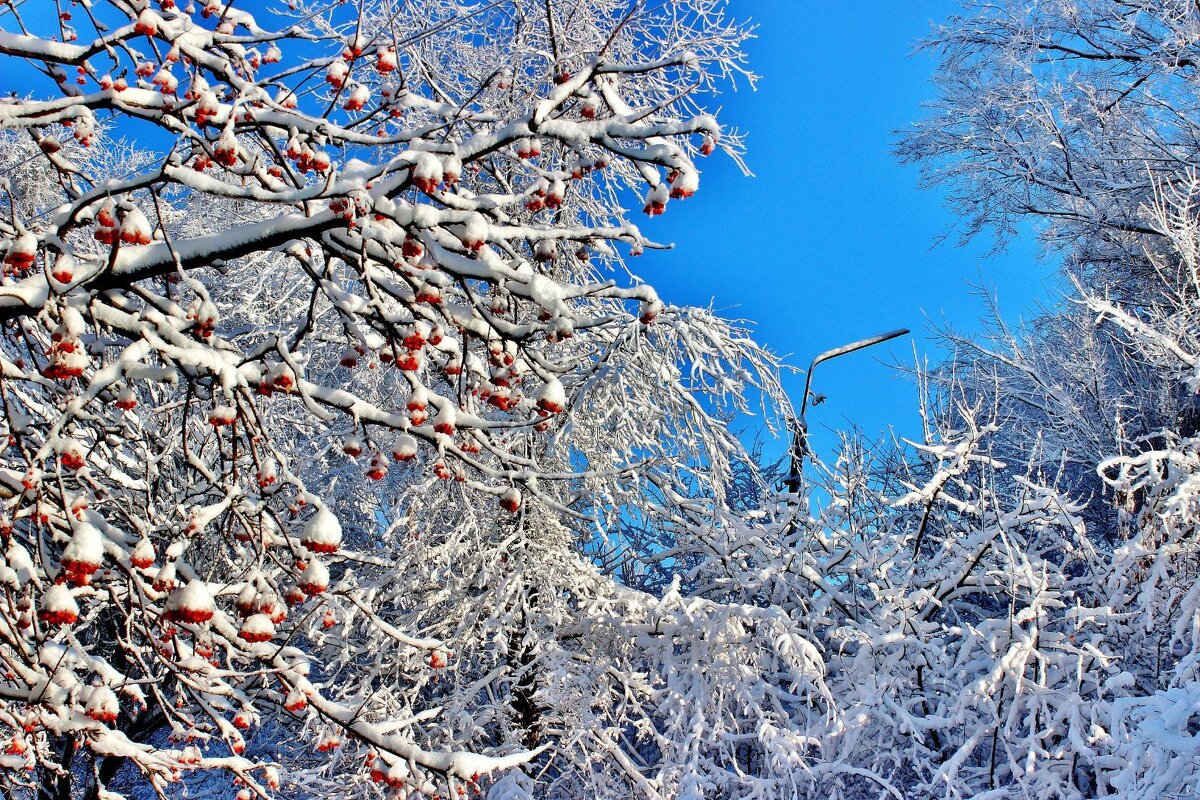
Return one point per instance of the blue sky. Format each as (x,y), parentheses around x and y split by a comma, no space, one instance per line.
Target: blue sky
(832,240)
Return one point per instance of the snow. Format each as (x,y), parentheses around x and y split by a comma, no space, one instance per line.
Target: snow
(42,49)
(102,704)
(194,602)
(58,604)
(257,628)
(552,397)
(322,533)
(446,420)
(85,548)
(315,578)
(405,447)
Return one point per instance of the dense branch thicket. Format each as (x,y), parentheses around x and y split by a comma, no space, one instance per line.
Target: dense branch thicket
(346,457)
(1083,118)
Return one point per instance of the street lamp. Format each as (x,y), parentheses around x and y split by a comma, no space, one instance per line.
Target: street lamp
(800,434)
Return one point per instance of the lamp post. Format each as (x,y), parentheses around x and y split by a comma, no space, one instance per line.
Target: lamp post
(800,434)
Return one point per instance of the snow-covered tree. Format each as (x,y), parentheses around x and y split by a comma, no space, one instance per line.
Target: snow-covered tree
(332,410)
(1066,113)
(1081,117)
(346,456)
